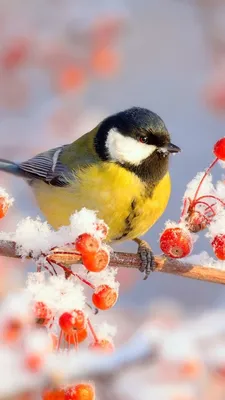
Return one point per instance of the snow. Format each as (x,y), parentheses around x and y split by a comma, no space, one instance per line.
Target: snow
(221,163)
(105,331)
(58,293)
(4,194)
(220,189)
(206,188)
(33,237)
(36,237)
(16,306)
(38,342)
(84,221)
(217,226)
(106,277)
(179,347)
(205,260)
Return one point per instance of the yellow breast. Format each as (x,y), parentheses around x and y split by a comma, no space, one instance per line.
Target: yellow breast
(118,195)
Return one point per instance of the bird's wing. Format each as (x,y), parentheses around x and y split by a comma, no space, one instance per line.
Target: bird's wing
(58,166)
(47,167)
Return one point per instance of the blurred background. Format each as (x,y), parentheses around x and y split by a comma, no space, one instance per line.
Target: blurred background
(65,65)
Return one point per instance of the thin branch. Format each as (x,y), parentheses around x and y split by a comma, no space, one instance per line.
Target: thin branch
(130,260)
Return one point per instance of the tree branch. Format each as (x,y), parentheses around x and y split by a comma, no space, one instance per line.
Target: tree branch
(130,260)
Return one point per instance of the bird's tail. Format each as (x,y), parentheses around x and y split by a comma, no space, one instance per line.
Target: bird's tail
(10,167)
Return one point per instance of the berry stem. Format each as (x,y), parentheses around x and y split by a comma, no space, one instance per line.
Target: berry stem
(206,205)
(92,330)
(184,208)
(211,197)
(69,272)
(203,216)
(209,206)
(60,339)
(204,176)
(75,340)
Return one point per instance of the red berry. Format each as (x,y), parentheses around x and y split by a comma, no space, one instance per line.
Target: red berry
(196,222)
(96,262)
(54,394)
(83,391)
(12,330)
(87,243)
(4,206)
(218,245)
(102,228)
(42,313)
(104,297)
(70,321)
(103,344)
(219,149)
(176,243)
(33,362)
(77,337)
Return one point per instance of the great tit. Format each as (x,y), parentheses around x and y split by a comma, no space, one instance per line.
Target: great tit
(119,169)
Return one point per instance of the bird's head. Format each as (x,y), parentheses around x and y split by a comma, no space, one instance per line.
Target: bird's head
(134,138)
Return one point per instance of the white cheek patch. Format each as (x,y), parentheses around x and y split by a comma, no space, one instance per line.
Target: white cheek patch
(126,149)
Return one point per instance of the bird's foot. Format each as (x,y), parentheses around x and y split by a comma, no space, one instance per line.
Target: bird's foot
(147,258)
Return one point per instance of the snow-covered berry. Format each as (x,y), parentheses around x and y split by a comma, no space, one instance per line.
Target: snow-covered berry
(218,245)
(176,242)
(71,321)
(104,297)
(96,262)
(87,243)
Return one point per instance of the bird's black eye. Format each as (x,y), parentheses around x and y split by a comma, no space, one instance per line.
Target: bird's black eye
(143,139)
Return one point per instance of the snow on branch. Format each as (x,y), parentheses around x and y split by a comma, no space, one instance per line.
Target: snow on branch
(129,260)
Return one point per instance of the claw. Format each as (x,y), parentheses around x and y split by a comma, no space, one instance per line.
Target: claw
(147,258)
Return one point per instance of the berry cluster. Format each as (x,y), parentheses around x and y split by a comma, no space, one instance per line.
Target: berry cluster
(58,305)
(203,207)
(82,391)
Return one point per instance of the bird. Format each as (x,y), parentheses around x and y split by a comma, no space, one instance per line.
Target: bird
(119,169)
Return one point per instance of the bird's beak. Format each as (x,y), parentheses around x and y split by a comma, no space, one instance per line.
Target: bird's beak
(172,148)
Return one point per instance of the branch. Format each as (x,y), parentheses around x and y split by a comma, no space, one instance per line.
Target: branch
(130,260)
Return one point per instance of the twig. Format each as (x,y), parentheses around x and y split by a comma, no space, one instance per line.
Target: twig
(130,260)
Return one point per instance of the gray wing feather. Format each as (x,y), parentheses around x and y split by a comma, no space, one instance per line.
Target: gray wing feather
(47,167)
